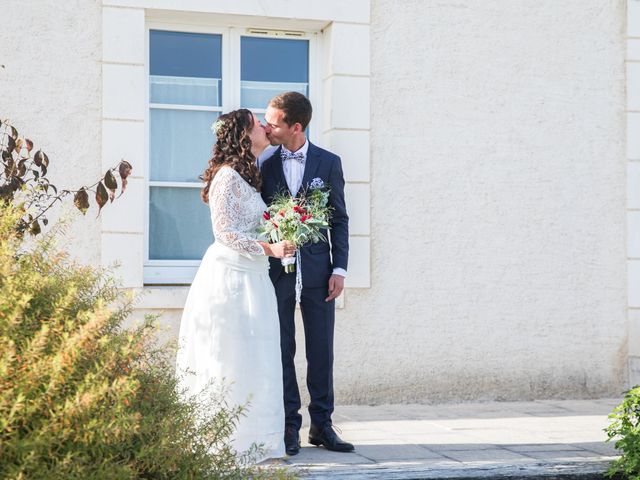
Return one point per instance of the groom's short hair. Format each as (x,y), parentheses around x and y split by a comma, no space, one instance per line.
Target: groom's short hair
(296,108)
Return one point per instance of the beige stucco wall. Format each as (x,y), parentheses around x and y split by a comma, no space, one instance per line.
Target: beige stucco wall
(633,186)
(497,184)
(497,205)
(51,91)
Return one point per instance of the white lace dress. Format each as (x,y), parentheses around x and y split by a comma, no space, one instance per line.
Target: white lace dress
(229,330)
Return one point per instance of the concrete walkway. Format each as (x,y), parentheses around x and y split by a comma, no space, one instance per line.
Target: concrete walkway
(476,440)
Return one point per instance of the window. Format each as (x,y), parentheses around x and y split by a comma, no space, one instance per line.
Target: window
(193,77)
(271,66)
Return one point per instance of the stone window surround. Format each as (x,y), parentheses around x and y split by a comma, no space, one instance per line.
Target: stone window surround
(343,77)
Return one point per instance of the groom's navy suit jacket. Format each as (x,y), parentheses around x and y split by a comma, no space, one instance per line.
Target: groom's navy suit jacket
(319,259)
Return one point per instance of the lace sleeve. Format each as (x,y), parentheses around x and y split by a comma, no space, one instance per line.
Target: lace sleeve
(231,222)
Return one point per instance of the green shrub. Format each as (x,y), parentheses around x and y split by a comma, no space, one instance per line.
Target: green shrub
(624,429)
(81,397)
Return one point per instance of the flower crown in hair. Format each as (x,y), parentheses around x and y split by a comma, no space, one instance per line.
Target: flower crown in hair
(216,126)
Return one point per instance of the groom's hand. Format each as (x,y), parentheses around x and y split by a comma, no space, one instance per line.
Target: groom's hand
(336,285)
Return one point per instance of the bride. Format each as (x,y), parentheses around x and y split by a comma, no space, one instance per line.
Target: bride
(229,330)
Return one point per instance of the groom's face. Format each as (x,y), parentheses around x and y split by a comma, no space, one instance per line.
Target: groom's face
(278,132)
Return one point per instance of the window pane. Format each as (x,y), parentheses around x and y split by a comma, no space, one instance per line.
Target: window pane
(179,224)
(185,90)
(181,144)
(270,66)
(185,68)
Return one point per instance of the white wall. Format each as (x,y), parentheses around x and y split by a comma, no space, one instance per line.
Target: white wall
(51,92)
(497,205)
(486,185)
(633,186)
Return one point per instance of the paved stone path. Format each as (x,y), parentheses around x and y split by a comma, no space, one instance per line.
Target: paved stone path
(473,440)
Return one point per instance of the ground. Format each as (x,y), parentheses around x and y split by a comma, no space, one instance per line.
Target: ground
(472,440)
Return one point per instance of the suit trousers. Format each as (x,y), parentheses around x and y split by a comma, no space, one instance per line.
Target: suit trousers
(318,318)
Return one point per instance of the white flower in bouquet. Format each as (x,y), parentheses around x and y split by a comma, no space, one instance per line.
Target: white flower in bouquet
(300,220)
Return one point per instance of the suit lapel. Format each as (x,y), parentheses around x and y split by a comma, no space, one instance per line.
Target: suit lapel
(278,170)
(311,165)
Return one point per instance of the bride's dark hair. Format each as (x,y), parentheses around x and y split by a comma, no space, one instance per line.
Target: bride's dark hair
(233,148)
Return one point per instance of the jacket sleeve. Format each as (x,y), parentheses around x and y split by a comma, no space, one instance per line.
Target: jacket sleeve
(339,233)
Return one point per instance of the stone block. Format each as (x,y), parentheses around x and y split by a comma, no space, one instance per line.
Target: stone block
(633,185)
(633,49)
(633,18)
(353,147)
(633,234)
(346,103)
(126,213)
(127,250)
(357,11)
(124,140)
(634,371)
(358,207)
(347,49)
(123,92)
(633,86)
(359,258)
(633,132)
(634,333)
(123,31)
(633,269)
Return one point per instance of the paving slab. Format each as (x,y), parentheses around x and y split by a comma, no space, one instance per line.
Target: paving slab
(548,439)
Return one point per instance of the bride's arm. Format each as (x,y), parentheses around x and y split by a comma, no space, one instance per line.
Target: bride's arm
(226,199)
(226,202)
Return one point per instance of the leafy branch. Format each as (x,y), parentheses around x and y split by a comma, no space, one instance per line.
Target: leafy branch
(23,180)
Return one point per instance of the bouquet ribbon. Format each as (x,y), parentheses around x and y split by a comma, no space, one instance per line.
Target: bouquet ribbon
(293,261)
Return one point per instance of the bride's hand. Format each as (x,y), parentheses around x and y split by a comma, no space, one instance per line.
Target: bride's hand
(281,249)
(285,249)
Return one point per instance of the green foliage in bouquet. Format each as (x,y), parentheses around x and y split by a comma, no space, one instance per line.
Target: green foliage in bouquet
(299,219)
(624,429)
(81,397)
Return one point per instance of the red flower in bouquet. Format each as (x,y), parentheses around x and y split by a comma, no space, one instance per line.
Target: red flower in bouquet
(303,219)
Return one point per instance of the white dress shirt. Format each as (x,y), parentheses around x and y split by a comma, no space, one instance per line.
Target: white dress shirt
(293,169)
(293,173)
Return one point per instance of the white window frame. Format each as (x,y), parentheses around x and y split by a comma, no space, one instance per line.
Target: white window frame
(181,272)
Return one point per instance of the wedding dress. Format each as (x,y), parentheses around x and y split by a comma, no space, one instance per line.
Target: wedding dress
(229,330)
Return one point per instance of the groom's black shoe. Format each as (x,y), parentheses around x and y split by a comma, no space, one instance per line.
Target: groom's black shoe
(291,441)
(329,439)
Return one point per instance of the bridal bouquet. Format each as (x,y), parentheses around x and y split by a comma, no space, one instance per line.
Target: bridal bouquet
(298,219)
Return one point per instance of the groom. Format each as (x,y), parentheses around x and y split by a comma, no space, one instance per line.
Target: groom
(290,168)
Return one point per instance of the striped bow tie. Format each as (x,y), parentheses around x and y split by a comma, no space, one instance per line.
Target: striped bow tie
(298,156)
